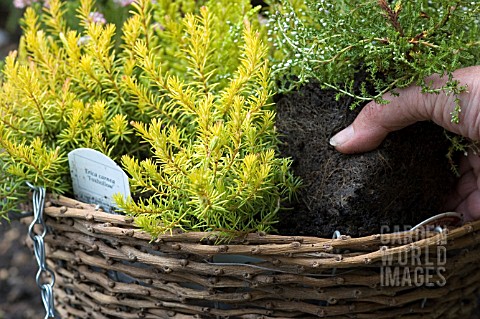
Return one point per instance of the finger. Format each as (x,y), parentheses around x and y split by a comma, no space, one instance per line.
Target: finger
(466,185)
(464,164)
(470,207)
(375,121)
(474,162)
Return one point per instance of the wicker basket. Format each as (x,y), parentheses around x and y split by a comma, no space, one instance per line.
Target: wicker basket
(107,268)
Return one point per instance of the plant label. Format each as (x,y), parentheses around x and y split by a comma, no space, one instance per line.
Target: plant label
(96,178)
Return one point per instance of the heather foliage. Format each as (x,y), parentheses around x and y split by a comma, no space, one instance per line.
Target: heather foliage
(393,43)
(179,95)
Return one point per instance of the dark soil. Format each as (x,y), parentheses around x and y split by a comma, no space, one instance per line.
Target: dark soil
(402,183)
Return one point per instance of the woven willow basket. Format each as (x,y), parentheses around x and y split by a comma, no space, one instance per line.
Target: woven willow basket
(106,268)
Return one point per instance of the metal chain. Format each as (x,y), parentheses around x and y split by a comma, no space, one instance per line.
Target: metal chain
(39,250)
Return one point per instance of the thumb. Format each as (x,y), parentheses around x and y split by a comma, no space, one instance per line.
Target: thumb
(375,121)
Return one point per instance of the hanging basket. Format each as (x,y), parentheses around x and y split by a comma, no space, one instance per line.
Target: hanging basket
(105,267)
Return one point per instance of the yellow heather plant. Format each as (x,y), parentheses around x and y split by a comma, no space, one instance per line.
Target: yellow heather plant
(183,102)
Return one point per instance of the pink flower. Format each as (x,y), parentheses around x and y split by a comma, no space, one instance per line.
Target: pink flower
(23,3)
(97,17)
(20,4)
(123,3)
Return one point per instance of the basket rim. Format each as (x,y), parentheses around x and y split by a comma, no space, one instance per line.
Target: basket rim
(59,206)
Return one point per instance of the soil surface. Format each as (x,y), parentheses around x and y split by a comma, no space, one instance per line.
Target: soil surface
(402,183)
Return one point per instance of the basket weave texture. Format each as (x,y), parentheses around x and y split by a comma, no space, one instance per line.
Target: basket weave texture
(107,268)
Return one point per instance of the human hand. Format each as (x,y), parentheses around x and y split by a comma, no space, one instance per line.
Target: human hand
(375,121)
(466,197)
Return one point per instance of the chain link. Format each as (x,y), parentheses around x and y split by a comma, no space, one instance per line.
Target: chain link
(39,251)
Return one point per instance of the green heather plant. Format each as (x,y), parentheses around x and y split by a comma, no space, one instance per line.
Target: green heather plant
(183,101)
(393,43)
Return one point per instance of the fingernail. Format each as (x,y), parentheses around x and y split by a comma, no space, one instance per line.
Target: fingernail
(342,137)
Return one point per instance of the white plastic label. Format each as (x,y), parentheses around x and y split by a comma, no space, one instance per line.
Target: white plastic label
(96,178)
